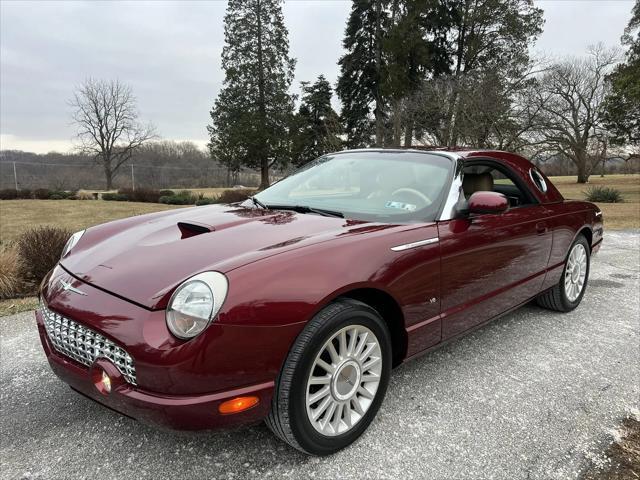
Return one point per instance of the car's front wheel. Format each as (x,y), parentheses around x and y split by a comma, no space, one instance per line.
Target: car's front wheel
(334,379)
(568,292)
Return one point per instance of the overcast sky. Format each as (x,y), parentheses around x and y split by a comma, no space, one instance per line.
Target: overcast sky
(169,52)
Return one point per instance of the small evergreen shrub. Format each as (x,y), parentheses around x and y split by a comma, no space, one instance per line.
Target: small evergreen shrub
(206,201)
(166,193)
(603,195)
(115,197)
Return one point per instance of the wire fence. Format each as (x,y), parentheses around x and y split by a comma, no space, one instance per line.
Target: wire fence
(60,176)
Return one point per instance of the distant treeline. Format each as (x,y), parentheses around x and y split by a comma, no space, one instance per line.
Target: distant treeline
(161,164)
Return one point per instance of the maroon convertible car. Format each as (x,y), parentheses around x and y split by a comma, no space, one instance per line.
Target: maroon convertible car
(294,306)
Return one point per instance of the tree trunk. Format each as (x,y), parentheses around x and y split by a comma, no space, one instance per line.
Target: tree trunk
(397,123)
(108,173)
(408,133)
(378,61)
(583,176)
(264,162)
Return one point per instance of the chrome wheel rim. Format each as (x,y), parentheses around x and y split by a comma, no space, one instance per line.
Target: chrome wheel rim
(575,273)
(343,380)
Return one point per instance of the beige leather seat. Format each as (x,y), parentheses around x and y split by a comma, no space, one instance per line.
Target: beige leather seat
(477,182)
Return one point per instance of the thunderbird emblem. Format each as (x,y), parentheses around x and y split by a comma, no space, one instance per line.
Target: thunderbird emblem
(68,288)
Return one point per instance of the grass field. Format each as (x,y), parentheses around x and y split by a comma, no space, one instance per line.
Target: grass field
(617,216)
(18,215)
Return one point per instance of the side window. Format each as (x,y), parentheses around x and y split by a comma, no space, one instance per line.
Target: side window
(538,180)
(486,177)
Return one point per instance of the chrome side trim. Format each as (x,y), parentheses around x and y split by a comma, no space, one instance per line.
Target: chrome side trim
(407,246)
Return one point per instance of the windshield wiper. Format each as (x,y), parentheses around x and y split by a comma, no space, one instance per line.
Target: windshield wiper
(258,203)
(306,209)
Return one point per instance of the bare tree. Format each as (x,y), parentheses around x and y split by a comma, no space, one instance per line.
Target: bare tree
(106,116)
(568,104)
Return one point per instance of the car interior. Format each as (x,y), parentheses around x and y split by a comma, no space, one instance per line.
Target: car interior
(488,178)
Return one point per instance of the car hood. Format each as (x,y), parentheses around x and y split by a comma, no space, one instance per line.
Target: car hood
(144,258)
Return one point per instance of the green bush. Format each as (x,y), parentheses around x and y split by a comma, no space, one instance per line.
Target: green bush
(39,250)
(235,195)
(604,195)
(206,201)
(179,199)
(60,195)
(115,197)
(166,193)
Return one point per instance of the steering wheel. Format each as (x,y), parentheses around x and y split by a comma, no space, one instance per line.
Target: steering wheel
(415,193)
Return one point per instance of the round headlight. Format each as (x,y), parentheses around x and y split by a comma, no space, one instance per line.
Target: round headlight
(73,240)
(195,303)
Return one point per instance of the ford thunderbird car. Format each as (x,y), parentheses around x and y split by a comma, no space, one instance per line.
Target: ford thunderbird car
(294,305)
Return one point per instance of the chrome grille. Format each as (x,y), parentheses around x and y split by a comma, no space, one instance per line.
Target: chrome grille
(84,345)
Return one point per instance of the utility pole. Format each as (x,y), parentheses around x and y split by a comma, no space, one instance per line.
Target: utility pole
(133,179)
(15,176)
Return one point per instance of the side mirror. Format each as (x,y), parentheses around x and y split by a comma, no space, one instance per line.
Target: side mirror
(487,202)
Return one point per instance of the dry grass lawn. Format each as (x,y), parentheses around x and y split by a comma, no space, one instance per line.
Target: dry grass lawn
(616,216)
(16,216)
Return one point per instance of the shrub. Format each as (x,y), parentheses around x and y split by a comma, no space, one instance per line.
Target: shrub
(8,194)
(236,195)
(148,195)
(41,193)
(178,199)
(40,249)
(604,195)
(166,193)
(61,194)
(115,197)
(10,273)
(206,201)
(24,193)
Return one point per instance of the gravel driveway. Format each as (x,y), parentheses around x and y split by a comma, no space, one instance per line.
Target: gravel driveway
(534,394)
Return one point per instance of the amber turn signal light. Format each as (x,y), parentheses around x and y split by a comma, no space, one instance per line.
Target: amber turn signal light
(237,405)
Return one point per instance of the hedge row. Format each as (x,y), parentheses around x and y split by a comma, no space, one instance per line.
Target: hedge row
(38,194)
(147,195)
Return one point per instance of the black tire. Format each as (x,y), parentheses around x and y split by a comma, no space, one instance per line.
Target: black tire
(288,417)
(556,298)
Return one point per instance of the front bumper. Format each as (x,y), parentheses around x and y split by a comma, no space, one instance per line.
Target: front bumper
(170,382)
(180,412)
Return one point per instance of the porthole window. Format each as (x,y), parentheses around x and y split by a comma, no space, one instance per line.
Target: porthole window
(537,179)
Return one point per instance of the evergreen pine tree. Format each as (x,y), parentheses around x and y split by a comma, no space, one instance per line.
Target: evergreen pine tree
(252,114)
(362,70)
(317,123)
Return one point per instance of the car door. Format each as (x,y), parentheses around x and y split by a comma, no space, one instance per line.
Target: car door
(491,263)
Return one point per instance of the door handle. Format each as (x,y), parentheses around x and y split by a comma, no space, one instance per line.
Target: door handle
(541,228)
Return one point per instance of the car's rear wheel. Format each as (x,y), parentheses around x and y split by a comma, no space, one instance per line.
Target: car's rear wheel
(333,380)
(568,292)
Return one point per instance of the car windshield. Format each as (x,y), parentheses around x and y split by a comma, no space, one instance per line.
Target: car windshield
(379,186)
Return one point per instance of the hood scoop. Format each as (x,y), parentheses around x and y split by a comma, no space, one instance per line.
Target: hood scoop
(191,229)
